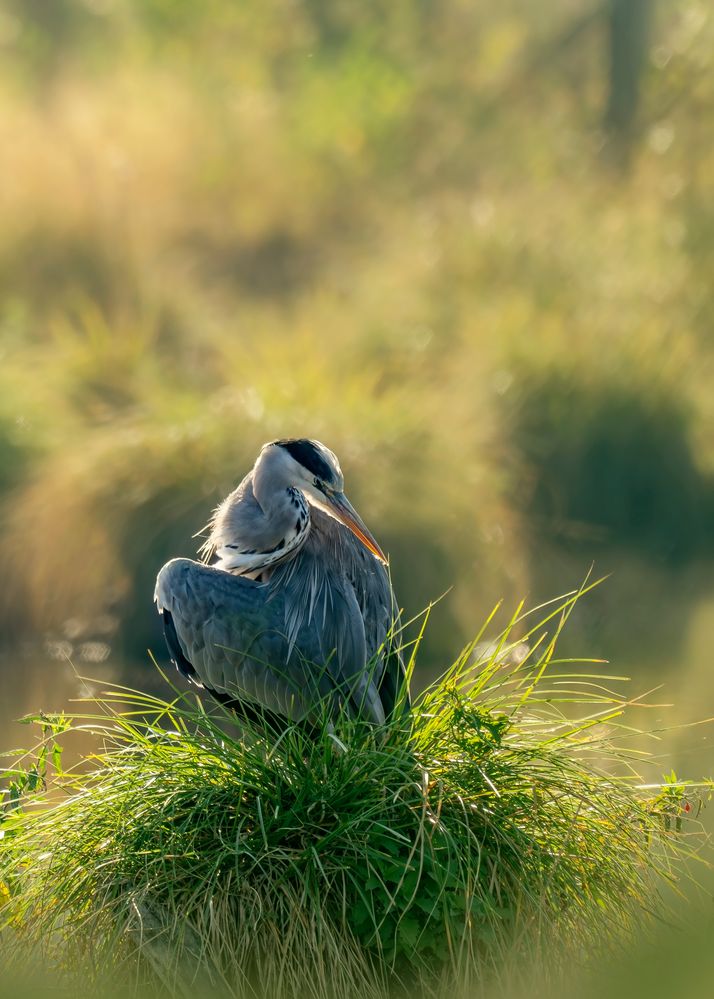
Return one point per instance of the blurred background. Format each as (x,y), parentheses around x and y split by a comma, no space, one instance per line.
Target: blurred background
(470,246)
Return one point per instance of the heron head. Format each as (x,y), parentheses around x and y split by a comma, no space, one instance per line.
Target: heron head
(316,471)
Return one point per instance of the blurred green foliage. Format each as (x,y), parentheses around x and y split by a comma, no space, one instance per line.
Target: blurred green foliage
(612,462)
(392,226)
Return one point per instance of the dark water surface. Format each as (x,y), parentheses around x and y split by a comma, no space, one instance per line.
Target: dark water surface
(59,678)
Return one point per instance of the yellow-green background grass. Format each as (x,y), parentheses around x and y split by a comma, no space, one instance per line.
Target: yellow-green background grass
(400,228)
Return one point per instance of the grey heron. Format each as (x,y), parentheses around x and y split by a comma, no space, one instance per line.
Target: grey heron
(297,609)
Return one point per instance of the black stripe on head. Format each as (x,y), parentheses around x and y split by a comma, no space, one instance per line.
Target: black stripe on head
(307,455)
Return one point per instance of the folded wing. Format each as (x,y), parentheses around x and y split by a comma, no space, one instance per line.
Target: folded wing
(236,638)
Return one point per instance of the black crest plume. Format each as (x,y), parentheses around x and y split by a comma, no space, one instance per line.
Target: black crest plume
(305,452)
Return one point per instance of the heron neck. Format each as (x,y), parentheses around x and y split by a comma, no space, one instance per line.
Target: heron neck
(270,488)
(284,531)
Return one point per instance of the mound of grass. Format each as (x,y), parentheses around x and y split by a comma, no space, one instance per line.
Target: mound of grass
(489,824)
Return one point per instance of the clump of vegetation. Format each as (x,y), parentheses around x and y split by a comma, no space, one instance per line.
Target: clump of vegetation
(611,461)
(488,824)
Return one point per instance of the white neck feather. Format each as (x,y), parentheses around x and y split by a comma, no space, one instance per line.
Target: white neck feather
(233,554)
(246,563)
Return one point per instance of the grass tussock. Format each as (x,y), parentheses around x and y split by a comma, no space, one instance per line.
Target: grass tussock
(500,821)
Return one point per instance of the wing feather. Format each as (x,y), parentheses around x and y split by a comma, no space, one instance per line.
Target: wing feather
(233,638)
(370,582)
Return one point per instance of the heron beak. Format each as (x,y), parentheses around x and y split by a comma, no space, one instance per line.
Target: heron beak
(343,510)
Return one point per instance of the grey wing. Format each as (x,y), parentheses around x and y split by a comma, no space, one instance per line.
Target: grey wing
(226,634)
(377,605)
(314,590)
(375,595)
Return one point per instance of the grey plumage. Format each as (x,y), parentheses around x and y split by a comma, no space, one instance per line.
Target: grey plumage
(298,608)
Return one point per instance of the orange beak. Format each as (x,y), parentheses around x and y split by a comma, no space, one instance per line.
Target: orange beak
(346,514)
